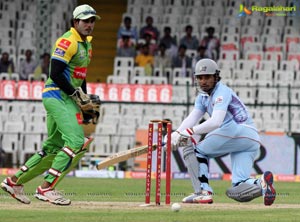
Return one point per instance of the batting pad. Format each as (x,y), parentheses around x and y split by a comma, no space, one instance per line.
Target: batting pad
(75,160)
(244,192)
(46,162)
(192,165)
(38,169)
(73,164)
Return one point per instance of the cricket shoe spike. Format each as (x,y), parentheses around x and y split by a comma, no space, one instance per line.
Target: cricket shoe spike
(16,191)
(52,196)
(205,197)
(268,190)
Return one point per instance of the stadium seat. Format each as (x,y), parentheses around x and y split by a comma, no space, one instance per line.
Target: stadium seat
(101,146)
(266,75)
(159,80)
(32,139)
(124,142)
(294,56)
(123,62)
(269,65)
(249,38)
(250,30)
(284,77)
(244,64)
(272,30)
(292,65)
(139,71)
(11,139)
(244,74)
(226,73)
(127,72)
(288,39)
(141,80)
(278,22)
(117,79)
(254,55)
(228,29)
(254,21)
(247,94)
(226,64)
(276,56)
(4,76)
(230,55)
(267,96)
(252,46)
(182,81)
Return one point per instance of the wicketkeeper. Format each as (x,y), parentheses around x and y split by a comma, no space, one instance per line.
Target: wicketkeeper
(65,98)
(228,130)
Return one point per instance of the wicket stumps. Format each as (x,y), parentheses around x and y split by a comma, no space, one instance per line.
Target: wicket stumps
(160,144)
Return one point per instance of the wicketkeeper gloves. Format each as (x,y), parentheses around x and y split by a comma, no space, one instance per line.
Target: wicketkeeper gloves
(82,99)
(89,105)
(94,113)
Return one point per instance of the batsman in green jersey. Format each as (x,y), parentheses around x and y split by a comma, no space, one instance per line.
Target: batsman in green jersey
(64,98)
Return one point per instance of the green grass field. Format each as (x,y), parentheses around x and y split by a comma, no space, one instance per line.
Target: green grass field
(120,199)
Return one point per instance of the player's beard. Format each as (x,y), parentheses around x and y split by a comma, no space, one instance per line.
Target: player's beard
(87,32)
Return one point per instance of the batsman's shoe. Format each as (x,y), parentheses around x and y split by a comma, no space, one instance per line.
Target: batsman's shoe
(190,198)
(52,196)
(205,197)
(268,190)
(16,191)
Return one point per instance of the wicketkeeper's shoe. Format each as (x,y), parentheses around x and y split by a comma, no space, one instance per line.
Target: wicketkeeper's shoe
(205,197)
(268,190)
(16,191)
(52,196)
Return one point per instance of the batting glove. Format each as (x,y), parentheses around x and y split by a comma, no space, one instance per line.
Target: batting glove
(187,134)
(175,136)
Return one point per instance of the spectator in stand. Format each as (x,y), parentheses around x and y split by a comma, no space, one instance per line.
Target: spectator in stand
(167,38)
(181,60)
(43,67)
(145,59)
(169,41)
(127,27)
(130,40)
(127,48)
(211,43)
(27,66)
(6,64)
(201,53)
(162,60)
(150,28)
(189,40)
(149,40)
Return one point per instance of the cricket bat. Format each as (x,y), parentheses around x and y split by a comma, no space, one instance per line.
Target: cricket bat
(124,155)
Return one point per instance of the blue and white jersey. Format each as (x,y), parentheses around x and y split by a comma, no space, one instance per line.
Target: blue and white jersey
(224,98)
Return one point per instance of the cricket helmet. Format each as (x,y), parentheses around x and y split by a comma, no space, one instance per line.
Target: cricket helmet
(206,67)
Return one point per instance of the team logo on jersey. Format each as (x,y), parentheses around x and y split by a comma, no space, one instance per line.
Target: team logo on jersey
(59,52)
(82,54)
(64,43)
(80,72)
(219,99)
